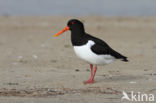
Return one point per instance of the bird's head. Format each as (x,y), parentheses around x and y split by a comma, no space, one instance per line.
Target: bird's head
(73,25)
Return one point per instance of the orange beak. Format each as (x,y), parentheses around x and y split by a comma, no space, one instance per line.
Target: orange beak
(65,29)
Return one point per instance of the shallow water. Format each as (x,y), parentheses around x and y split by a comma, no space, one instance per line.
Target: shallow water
(79,7)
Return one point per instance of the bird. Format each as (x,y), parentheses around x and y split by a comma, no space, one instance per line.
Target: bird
(89,48)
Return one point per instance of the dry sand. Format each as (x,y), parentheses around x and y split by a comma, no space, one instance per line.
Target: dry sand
(37,68)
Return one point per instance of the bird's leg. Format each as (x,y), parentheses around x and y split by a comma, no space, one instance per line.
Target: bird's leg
(91,71)
(91,79)
(94,72)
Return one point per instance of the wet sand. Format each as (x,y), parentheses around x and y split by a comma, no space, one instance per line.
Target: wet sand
(38,68)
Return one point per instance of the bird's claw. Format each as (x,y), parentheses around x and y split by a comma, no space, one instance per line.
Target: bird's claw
(89,81)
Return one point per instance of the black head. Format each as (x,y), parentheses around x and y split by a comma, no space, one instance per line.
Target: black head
(77,31)
(75,25)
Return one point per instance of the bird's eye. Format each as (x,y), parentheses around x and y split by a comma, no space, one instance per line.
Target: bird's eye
(73,23)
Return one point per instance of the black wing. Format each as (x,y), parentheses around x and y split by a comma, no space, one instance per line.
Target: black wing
(101,48)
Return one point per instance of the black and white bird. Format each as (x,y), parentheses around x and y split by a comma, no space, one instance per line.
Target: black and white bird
(89,48)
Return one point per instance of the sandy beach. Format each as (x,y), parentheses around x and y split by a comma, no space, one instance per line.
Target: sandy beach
(35,67)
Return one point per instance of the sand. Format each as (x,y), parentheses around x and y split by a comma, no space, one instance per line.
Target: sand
(38,68)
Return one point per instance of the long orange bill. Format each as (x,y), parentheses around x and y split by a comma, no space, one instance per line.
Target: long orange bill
(65,29)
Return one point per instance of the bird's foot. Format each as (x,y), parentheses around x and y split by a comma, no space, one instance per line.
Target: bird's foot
(89,81)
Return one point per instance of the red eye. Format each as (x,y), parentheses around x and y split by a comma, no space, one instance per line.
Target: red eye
(73,23)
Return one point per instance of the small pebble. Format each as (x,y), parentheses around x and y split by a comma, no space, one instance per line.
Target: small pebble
(35,56)
(20,57)
(145,69)
(149,79)
(67,46)
(43,45)
(77,70)
(132,82)
(104,75)
(53,61)
(15,63)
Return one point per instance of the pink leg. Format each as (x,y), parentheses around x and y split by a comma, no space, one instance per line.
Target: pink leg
(94,72)
(91,79)
(91,70)
(91,74)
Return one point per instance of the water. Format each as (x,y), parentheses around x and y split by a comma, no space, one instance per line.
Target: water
(78,7)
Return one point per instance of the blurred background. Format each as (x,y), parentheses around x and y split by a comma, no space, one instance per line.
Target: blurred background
(78,7)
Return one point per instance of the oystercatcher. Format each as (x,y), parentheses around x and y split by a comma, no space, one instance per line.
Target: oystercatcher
(89,48)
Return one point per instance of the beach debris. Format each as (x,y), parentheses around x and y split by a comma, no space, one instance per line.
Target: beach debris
(151,74)
(46,92)
(12,83)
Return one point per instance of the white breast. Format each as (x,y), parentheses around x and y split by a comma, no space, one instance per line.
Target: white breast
(84,52)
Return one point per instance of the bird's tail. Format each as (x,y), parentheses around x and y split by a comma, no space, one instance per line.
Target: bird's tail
(118,55)
(125,59)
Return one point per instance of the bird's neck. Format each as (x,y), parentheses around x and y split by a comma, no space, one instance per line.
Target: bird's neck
(77,36)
